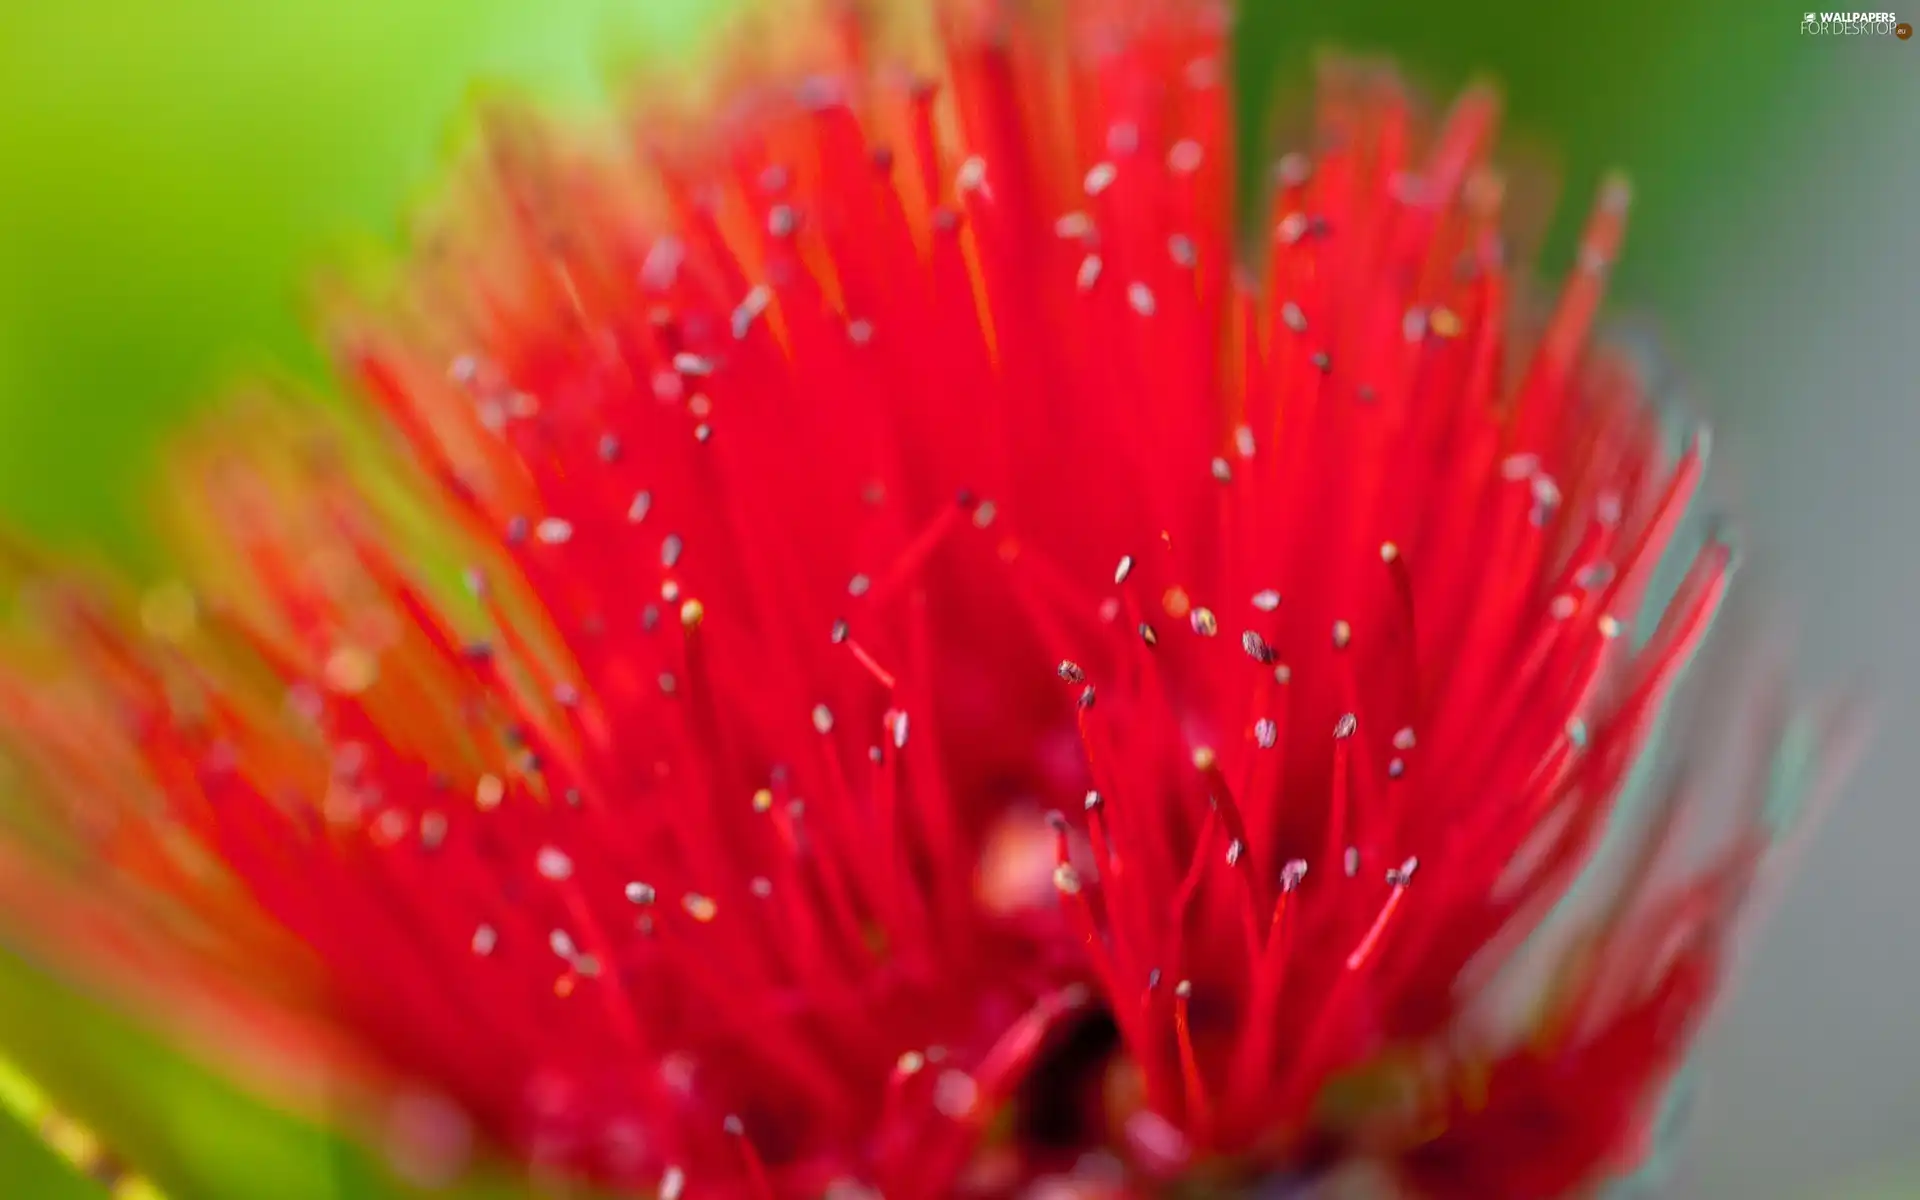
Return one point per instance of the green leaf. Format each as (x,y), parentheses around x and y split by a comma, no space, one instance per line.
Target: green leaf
(176,173)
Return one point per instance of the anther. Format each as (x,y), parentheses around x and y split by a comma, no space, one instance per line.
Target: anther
(1256,647)
(554,864)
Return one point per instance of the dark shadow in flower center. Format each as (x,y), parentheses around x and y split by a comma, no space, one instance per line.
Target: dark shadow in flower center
(1058,1108)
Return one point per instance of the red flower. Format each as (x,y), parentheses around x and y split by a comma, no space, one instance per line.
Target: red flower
(791,452)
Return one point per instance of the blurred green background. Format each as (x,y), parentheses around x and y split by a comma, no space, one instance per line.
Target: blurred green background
(170,174)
